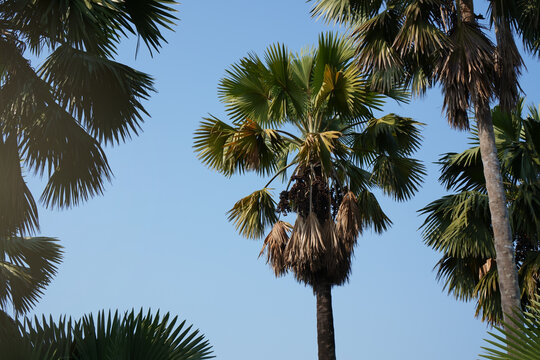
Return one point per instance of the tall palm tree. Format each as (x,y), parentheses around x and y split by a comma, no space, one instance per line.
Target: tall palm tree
(54,118)
(135,336)
(311,114)
(422,42)
(459,225)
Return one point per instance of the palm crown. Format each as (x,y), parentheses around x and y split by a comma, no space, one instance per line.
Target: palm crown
(459,225)
(310,113)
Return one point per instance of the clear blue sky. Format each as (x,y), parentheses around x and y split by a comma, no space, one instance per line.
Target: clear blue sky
(159,237)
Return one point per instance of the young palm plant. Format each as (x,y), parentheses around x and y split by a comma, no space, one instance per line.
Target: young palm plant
(459,225)
(310,115)
(422,42)
(135,336)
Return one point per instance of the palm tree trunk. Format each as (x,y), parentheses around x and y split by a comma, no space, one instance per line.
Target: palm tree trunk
(504,248)
(325,322)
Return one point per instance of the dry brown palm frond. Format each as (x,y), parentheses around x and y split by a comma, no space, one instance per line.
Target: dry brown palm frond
(337,257)
(466,71)
(275,244)
(348,221)
(330,236)
(306,241)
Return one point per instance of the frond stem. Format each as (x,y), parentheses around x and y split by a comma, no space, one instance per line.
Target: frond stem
(277,174)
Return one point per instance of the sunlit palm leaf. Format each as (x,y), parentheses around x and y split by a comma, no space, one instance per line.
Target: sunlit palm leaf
(252,214)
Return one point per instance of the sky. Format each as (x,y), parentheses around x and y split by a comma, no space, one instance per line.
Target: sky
(159,238)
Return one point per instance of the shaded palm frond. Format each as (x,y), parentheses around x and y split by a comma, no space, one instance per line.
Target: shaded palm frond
(398,176)
(26,268)
(371,213)
(459,225)
(131,335)
(94,26)
(103,94)
(528,20)
(462,172)
(18,210)
(73,160)
(467,70)
(253,213)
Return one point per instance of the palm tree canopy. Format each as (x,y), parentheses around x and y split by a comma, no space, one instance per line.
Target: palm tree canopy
(459,225)
(55,118)
(419,42)
(107,336)
(310,115)
(27,265)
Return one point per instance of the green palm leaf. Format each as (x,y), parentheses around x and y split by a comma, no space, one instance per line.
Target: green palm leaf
(111,335)
(521,339)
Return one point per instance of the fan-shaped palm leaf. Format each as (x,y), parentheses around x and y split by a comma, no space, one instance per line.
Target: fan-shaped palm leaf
(128,336)
(27,265)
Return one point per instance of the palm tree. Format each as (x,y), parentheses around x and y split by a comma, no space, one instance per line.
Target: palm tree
(55,118)
(311,113)
(421,42)
(459,225)
(135,336)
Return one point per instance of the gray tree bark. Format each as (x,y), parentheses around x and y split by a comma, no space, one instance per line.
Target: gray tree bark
(325,322)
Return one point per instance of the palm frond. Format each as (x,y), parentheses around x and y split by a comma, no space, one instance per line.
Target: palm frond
(459,225)
(74,161)
(371,213)
(18,210)
(133,335)
(398,176)
(102,94)
(519,340)
(253,213)
(26,268)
